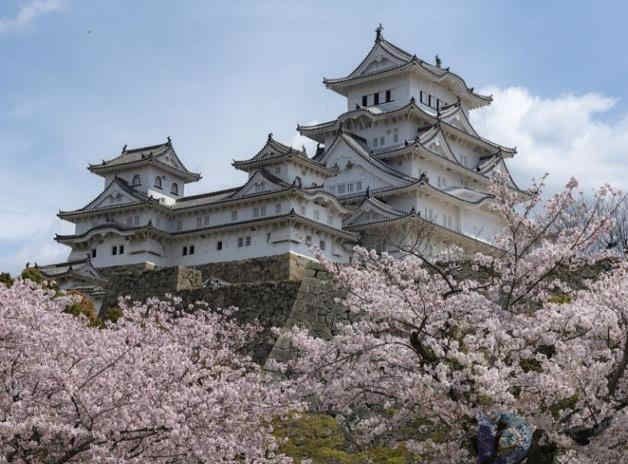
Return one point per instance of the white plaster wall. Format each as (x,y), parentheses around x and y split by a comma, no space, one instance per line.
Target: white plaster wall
(400,93)
(481,224)
(147,177)
(381,134)
(416,84)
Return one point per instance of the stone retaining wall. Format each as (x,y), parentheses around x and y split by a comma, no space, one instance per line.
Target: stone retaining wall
(285,267)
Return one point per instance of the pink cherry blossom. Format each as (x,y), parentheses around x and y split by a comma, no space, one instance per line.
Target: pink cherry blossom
(161,385)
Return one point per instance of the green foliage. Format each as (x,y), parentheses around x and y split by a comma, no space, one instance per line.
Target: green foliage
(559,298)
(83,307)
(6,279)
(112,314)
(318,437)
(530,365)
(565,403)
(33,274)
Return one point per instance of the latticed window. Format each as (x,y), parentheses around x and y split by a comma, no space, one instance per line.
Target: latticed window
(174,189)
(158,182)
(136,180)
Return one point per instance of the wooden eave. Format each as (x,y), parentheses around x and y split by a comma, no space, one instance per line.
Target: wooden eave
(474,100)
(332,127)
(82,213)
(250,164)
(104,169)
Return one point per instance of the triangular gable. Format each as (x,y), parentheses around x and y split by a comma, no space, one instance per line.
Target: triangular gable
(260,182)
(501,168)
(347,153)
(117,193)
(381,57)
(459,120)
(437,142)
(171,158)
(372,210)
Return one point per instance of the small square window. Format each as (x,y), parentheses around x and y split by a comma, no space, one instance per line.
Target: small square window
(184,252)
(121,250)
(277,170)
(191,250)
(219,245)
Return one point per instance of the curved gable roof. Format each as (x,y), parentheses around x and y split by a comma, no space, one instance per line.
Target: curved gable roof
(398,60)
(116,187)
(362,151)
(162,155)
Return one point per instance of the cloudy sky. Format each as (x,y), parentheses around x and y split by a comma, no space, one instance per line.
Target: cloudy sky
(81,78)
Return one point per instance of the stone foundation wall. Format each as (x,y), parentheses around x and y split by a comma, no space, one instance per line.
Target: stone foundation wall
(285,267)
(268,304)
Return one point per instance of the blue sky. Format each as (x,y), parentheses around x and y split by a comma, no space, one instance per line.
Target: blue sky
(80,79)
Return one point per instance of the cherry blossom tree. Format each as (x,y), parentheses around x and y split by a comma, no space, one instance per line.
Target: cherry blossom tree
(164,384)
(428,347)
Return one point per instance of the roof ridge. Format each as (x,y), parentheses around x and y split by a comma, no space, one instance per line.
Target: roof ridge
(147,147)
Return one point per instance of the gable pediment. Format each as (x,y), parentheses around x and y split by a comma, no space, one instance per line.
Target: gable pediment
(115,194)
(353,162)
(377,60)
(258,183)
(438,144)
(370,211)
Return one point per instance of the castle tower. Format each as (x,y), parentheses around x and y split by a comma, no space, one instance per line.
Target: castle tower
(407,140)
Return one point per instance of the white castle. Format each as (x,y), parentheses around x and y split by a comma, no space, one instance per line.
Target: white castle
(404,151)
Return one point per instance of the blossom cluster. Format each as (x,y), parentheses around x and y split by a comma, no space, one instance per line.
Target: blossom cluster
(162,384)
(427,343)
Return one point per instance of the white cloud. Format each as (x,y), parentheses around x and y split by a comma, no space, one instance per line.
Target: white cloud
(563,136)
(28,13)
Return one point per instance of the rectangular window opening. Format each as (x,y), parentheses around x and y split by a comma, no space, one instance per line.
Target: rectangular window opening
(365,100)
(376,98)
(219,245)
(388,96)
